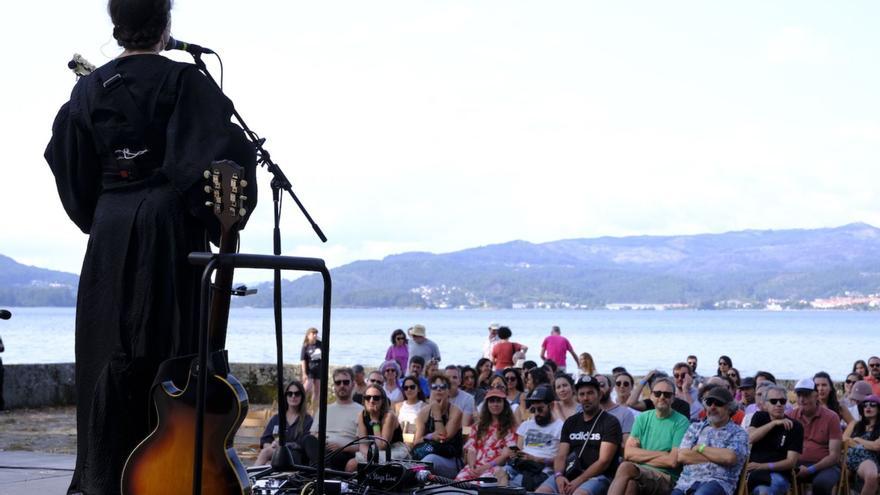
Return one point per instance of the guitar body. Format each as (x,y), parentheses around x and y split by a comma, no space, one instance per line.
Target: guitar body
(163,462)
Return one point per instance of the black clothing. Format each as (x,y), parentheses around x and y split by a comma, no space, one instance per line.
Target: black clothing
(311,354)
(137,303)
(396,435)
(607,429)
(452,447)
(678,405)
(292,435)
(776,444)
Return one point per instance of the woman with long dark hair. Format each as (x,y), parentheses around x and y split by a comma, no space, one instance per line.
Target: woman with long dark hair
(565,405)
(468,379)
(310,361)
(488,446)
(408,410)
(128,152)
(862,439)
(860,367)
(399,349)
(298,421)
(378,420)
(484,373)
(438,438)
(828,396)
(724,365)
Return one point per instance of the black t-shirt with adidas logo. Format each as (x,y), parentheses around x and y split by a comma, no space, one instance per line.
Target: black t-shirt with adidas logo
(607,429)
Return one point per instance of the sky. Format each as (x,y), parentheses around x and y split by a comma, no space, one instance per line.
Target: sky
(438,126)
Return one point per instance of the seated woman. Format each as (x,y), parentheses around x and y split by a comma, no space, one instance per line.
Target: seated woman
(565,405)
(438,437)
(390,371)
(468,379)
(828,397)
(378,420)
(408,410)
(862,439)
(534,378)
(515,387)
(586,365)
(298,425)
(489,446)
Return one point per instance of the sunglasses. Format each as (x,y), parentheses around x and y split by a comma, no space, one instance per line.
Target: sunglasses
(439,386)
(873,365)
(850,382)
(537,409)
(679,375)
(776,402)
(340,383)
(390,370)
(291,393)
(409,387)
(499,387)
(400,338)
(376,382)
(869,404)
(658,394)
(494,400)
(713,402)
(372,398)
(623,384)
(510,378)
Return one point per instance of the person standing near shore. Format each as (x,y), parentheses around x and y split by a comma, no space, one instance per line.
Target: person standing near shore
(422,345)
(555,346)
(310,362)
(491,340)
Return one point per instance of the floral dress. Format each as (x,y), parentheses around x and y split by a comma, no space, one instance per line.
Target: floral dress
(488,448)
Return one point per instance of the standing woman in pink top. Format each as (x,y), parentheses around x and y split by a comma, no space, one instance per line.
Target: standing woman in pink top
(399,349)
(555,346)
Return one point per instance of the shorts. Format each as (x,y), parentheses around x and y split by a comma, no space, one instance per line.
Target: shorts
(653,482)
(594,486)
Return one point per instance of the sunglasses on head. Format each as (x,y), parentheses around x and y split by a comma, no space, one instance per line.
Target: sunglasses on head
(409,387)
(777,402)
(659,393)
(292,393)
(713,402)
(439,386)
(623,384)
(342,382)
(372,398)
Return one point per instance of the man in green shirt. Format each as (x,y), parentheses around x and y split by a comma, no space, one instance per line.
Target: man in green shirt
(651,464)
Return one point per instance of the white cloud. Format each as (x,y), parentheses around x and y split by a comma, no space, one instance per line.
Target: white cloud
(798,44)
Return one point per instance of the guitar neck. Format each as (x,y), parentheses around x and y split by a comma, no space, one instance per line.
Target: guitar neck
(221,294)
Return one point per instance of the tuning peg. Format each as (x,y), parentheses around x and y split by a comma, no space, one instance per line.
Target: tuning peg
(242,197)
(209,203)
(242,212)
(243,183)
(206,174)
(208,189)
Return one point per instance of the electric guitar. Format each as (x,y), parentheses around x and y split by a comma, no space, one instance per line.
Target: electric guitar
(163,462)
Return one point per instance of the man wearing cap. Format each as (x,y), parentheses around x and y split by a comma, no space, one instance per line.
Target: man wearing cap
(555,346)
(777,442)
(818,463)
(491,340)
(713,450)
(422,346)
(651,453)
(874,374)
(537,443)
(594,437)
(747,391)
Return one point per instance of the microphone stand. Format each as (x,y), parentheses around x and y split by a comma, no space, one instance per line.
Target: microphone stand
(283,460)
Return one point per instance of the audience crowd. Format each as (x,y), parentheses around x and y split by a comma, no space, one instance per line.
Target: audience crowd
(561,427)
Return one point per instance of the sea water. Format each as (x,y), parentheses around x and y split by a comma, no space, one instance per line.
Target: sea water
(791,344)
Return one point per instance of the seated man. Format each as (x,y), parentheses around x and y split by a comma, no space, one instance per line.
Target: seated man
(623,414)
(758,405)
(726,383)
(714,450)
(537,442)
(459,397)
(819,462)
(651,453)
(416,366)
(635,399)
(594,436)
(747,391)
(777,441)
(342,418)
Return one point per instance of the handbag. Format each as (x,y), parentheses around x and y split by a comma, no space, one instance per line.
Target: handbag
(573,467)
(427,447)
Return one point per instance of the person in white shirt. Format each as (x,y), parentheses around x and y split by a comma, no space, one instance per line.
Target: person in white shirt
(491,340)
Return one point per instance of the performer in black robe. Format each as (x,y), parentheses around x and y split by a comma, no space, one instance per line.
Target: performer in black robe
(128,158)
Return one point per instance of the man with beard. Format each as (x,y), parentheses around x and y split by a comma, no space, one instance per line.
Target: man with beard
(692,364)
(874,374)
(651,453)
(777,442)
(594,437)
(537,443)
(342,418)
(623,414)
(714,450)
(819,462)
(459,397)
(636,402)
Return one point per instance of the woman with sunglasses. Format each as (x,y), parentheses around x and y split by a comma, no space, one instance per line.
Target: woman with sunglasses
(565,405)
(851,380)
(827,395)
(310,359)
(298,425)
(413,402)
(399,349)
(862,439)
(378,420)
(495,431)
(623,387)
(733,374)
(724,366)
(390,371)
(515,387)
(438,436)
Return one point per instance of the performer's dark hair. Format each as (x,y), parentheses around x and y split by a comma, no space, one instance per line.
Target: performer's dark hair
(139,24)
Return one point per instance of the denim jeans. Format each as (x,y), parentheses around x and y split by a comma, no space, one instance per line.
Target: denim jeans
(778,486)
(702,488)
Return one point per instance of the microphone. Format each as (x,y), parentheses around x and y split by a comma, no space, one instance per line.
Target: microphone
(174,44)
(5,314)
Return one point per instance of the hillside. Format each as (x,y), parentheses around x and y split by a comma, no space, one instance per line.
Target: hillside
(23,285)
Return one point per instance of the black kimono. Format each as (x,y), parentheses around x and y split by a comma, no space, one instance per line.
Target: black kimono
(128,162)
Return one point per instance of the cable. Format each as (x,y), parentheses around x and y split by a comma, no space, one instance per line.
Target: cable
(37,468)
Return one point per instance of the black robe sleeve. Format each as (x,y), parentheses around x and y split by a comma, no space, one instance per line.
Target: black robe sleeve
(74,161)
(199,132)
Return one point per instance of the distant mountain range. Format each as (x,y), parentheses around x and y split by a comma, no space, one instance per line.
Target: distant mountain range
(23,285)
(694,270)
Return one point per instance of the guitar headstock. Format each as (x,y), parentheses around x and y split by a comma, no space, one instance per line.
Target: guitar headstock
(225,190)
